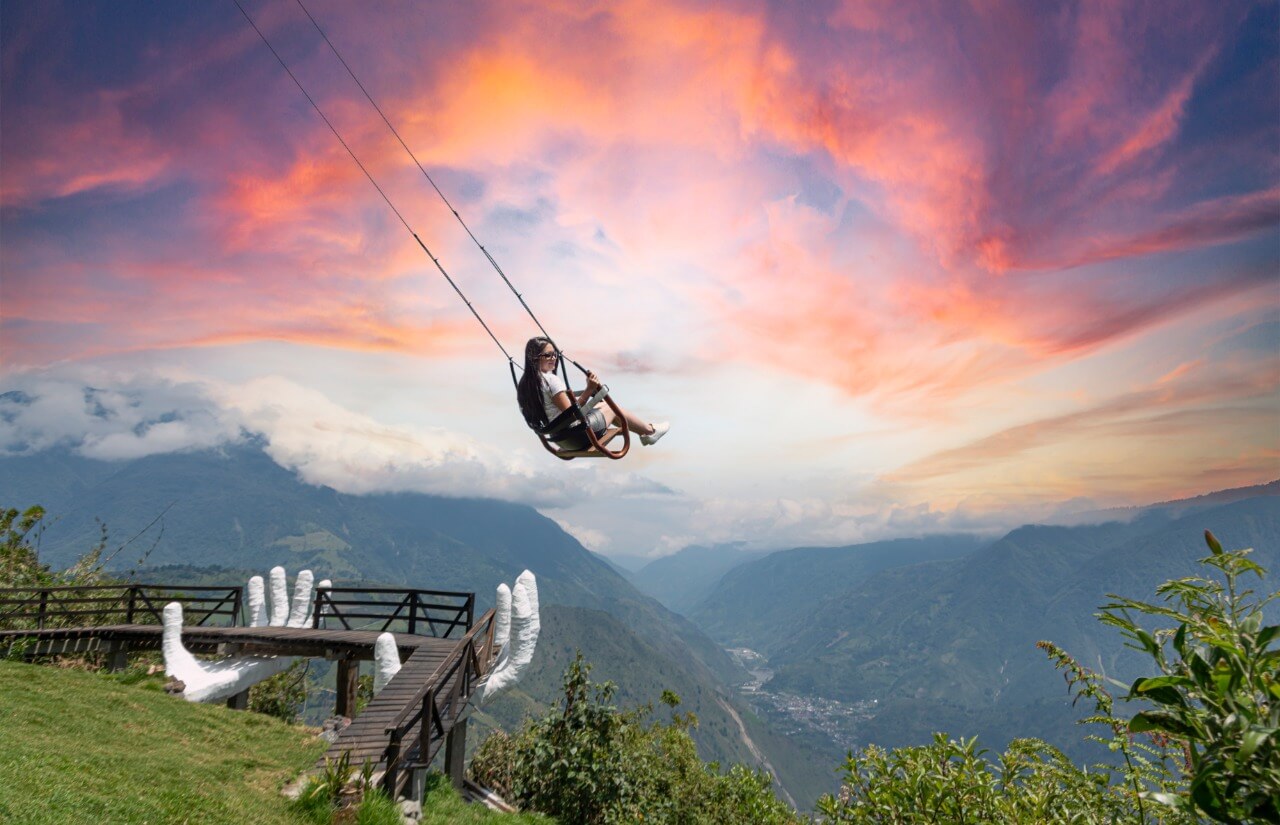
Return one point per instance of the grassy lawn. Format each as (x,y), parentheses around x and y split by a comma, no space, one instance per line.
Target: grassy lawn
(82,747)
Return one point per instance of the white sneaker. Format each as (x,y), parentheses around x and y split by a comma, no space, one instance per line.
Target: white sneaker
(659,430)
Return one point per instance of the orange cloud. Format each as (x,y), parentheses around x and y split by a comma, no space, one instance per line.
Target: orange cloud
(638,143)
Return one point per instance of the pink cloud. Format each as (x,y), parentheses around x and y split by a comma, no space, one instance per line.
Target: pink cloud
(649,135)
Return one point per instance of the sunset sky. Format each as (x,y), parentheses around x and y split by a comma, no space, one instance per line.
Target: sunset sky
(887,267)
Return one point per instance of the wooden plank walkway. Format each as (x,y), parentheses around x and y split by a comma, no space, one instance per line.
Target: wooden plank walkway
(366,736)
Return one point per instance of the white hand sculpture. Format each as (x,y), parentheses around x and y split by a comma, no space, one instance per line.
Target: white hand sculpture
(212,681)
(386,661)
(515,630)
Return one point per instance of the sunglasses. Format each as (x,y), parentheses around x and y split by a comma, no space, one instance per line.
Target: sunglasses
(549,355)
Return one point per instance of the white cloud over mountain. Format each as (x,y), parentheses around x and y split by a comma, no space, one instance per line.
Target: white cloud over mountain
(120,415)
(115,416)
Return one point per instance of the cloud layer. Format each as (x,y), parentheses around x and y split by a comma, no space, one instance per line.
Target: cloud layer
(119,418)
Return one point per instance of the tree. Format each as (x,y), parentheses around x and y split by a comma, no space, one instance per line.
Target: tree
(19,557)
(589,762)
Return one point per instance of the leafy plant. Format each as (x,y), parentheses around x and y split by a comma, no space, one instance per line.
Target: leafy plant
(281,695)
(19,548)
(590,762)
(1217,694)
(335,794)
(951,780)
(1148,765)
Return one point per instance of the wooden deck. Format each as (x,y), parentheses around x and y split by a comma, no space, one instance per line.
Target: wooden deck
(401,730)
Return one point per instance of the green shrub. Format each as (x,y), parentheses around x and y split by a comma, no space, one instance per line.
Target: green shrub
(1205,745)
(952,781)
(1217,692)
(282,695)
(19,549)
(592,763)
(339,791)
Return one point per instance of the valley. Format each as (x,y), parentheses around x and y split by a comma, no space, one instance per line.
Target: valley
(792,714)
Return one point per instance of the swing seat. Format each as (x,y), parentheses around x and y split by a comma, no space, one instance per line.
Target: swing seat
(567,436)
(578,445)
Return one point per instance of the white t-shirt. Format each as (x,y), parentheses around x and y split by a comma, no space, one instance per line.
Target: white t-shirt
(552,383)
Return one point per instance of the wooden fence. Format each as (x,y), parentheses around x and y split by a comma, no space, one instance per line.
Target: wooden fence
(437,612)
(94,605)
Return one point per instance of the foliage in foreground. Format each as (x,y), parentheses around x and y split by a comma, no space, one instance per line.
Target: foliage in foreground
(588,762)
(953,781)
(19,556)
(338,795)
(1205,745)
(1217,694)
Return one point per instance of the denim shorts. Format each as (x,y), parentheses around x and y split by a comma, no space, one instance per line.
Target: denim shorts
(597,422)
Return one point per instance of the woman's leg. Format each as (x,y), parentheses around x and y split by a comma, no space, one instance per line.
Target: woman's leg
(634,424)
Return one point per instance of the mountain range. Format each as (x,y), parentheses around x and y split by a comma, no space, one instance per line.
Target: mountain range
(938,634)
(683,579)
(925,634)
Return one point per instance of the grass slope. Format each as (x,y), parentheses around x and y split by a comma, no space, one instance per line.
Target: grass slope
(83,747)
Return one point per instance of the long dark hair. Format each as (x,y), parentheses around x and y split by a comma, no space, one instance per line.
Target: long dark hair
(529,390)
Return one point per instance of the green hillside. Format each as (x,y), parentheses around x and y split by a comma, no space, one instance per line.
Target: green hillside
(950,646)
(763,604)
(237,508)
(81,747)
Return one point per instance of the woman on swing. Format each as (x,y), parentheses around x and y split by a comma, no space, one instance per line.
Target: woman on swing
(543,395)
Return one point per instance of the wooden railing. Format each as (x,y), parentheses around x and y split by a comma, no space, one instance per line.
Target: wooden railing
(25,608)
(438,705)
(418,612)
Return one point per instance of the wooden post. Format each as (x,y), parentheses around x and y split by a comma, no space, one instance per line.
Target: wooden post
(455,751)
(118,657)
(348,681)
(390,779)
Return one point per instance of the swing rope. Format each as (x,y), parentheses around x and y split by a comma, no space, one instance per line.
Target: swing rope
(336,134)
(492,261)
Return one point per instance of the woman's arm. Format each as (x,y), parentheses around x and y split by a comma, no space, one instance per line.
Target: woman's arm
(561,399)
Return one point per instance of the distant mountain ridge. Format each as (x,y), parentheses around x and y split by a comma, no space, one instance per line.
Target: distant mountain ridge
(1174,507)
(683,579)
(952,642)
